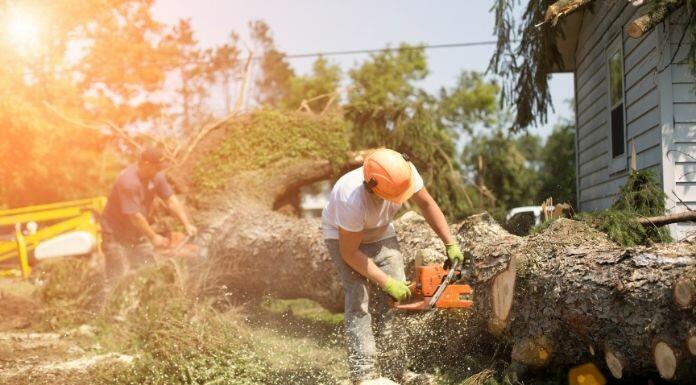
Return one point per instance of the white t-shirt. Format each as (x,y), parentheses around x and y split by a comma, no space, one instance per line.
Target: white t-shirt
(355,209)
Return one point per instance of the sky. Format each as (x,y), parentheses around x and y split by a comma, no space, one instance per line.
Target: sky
(309,26)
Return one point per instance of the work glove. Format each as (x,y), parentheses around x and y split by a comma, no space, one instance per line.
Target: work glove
(454,253)
(159,242)
(191,230)
(397,289)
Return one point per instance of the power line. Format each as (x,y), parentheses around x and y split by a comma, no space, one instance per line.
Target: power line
(376,50)
(328,53)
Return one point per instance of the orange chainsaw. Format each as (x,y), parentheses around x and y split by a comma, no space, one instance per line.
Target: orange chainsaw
(438,287)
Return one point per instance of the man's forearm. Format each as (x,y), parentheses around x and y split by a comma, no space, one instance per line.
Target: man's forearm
(433,215)
(140,222)
(177,208)
(437,221)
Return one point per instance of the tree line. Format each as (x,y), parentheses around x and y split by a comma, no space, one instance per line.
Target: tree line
(103,72)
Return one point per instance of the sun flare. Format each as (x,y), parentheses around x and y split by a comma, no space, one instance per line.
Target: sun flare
(23,28)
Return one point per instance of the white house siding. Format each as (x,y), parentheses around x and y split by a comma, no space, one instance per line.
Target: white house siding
(596,186)
(679,145)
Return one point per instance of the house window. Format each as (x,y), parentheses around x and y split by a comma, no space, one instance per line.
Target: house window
(616,96)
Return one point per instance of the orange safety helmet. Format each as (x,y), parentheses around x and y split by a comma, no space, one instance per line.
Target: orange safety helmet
(388,174)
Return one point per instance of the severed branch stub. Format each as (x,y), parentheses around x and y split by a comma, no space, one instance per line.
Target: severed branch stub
(645,23)
(561,8)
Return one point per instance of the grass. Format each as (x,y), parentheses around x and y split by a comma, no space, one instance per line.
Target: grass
(179,336)
(304,309)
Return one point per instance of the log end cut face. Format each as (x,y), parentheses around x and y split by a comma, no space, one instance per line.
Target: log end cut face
(614,363)
(684,293)
(665,360)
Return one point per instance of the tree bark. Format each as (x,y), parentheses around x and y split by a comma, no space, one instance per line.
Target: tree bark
(558,298)
(561,8)
(664,220)
(645,23)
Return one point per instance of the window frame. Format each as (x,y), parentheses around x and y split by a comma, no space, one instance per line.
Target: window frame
(617,163)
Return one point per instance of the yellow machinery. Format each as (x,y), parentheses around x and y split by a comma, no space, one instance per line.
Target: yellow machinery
(24,229)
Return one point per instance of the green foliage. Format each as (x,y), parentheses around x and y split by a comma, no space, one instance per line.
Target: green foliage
(93,62)
(179,340)
(506,171)
(324,80)
(265,137)
(41,156)
(386,108)
(388,77)
(70,292)
(415,131)
(641,196)
(557,172)
(472,101)
(525,57)
(274,84)
(520,170)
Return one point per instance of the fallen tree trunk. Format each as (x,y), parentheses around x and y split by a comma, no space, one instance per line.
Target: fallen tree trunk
(565,296)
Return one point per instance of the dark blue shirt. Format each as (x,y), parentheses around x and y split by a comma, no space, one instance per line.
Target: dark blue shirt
(131,195)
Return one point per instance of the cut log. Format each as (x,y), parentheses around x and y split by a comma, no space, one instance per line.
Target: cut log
(663,220)
(665,360)
(615,362)
(645,23)
(684,293)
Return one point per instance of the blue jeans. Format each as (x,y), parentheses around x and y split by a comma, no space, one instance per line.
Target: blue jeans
(368,314)
(121,256)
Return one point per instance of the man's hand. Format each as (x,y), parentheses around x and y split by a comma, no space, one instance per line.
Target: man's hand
(159,242)
(454,253)
(397,289)
(191,230)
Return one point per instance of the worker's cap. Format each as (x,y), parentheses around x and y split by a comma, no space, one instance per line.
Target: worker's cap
(155,156)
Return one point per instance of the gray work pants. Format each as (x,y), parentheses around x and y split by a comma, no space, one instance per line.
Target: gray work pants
(120,256)
(367,312)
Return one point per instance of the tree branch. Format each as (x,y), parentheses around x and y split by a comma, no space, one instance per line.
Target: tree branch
(667,219)
(643,24)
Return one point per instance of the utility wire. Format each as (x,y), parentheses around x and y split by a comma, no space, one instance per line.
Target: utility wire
(389,49)
(318,54)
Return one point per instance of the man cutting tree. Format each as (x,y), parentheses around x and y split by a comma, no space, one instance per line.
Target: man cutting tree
(129,240)
(359,234)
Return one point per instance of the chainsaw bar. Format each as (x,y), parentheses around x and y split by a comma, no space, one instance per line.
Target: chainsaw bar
(443,285)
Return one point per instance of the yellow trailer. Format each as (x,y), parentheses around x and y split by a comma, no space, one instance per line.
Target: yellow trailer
(50,230)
